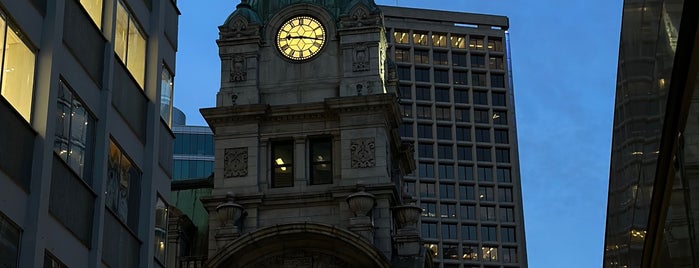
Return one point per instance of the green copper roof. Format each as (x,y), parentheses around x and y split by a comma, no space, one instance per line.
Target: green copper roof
(266,9)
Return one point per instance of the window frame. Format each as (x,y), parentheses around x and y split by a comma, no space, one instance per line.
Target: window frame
(283,166)
(327,140)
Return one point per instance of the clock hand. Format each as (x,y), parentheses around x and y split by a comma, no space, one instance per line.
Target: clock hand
(301,37)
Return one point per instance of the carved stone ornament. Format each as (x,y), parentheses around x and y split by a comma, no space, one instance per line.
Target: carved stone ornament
(238,69)
(235,162)
(361,59)
(363,153)
(361,16)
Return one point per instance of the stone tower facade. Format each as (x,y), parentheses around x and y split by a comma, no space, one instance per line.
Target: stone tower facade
(309,161)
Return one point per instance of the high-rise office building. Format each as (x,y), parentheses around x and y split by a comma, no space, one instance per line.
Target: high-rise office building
(653,186)
(87,155)
(456,98)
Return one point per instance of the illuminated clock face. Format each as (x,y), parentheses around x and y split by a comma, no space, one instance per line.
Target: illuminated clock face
(301,38)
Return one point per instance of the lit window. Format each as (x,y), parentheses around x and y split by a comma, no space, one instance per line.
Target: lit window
(94,9)
(74,132)
(458,41)
(123,182)
(494,44)
(321,161)
(401,37)
(470,252)
(161,212)
(9,242)
(130,44)
(499,118)
(428,209)
(475,42)
(17,85)
(282,164)
(420,39)
(439,40)
(166,91)
(490,254)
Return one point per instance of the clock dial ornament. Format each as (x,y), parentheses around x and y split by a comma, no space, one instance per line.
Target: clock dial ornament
(300,38)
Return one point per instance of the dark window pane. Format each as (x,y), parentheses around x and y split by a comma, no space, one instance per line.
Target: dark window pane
(321,161)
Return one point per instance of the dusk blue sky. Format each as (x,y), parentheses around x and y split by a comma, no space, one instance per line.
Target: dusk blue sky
(564,58)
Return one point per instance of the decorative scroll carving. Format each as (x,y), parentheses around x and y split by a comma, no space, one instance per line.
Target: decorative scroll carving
(363,154)
(238,69)
(361,16)
(235,162)
(360,59)
(238,27)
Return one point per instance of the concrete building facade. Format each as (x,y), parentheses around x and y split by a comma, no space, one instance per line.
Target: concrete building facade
(457,103)
(86,98)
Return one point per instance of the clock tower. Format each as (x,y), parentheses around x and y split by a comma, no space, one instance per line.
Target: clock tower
(309,162)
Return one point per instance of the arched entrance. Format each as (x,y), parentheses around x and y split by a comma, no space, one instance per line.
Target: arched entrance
(295,245)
